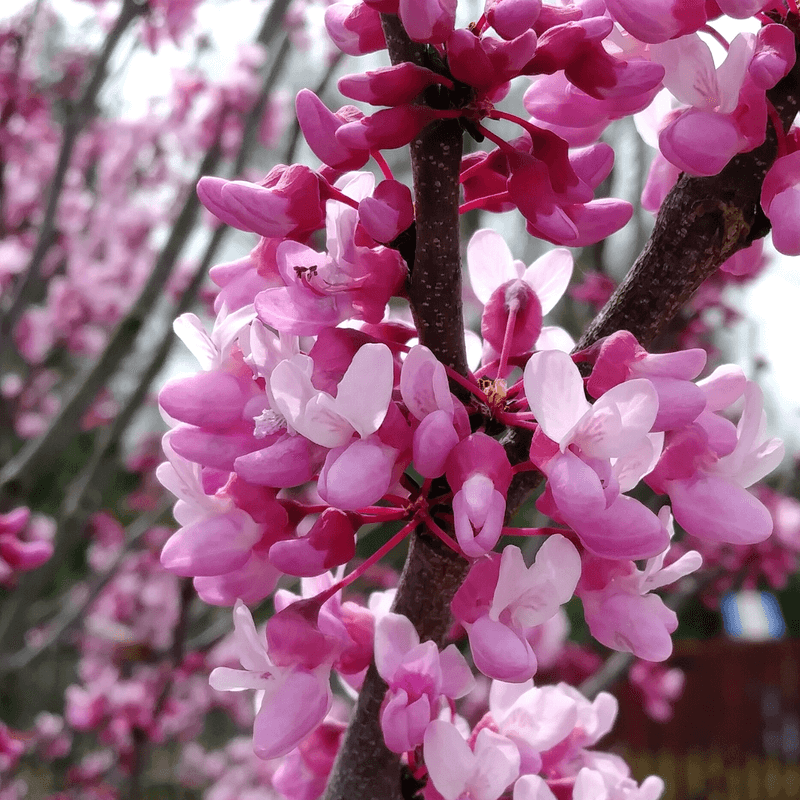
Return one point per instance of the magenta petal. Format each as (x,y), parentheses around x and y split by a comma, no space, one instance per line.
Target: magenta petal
(290,461)
(700,142)
(356,475)
(433,440)
(212,546)
(403,723)
(207,399)
(290,712)
(719,510)
(626,529)
(500,653)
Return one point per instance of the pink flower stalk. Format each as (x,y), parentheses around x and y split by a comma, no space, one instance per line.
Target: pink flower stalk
(419,678)
(479,473)
(480,770)
(291,668)
(502,603)
(592,453)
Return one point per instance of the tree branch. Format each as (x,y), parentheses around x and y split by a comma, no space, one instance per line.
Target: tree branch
(364,767)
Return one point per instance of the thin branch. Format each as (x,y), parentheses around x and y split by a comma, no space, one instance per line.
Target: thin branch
(364,766)
(70,616)
(76,119)
(23,468)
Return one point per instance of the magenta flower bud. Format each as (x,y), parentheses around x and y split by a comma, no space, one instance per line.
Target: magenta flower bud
(774,55)
(289,461)
(290,202)
(519,298)
(390,86)
(211,546)
(212,448)
(319,125)
(330,542)
(358,474)
(385,129)
(388,212)
(355,29)
(511,18)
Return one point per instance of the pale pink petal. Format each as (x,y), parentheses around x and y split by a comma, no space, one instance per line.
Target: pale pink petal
(532,787)
(619,420)
(690,72)
(589,785)
(549,276)
(554,389)
(500,653)
(211,546)
(554,338)
(423,383)
(395,635)
(403,723)
(457,677)
(226,679)
(497,765)
(357,475)
(366,389)
(448,758)
(489,263)
(290,712)
(251,646)
(723,387)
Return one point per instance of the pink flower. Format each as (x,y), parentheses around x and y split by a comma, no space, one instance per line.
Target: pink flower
(618,606)
(479,473)
(780,199)
(707,467)
(592,453)
(419,676)
(502,603)
(482,771)
(289,202)
(292,672)
(499,280)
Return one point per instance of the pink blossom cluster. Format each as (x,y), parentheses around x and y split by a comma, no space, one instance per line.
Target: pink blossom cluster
(316,412)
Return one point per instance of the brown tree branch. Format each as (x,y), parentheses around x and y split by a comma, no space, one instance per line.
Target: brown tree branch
(364,767)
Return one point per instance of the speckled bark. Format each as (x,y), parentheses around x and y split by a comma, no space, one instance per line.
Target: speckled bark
(364,768)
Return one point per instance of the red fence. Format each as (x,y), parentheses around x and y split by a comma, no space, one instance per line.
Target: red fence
(736,729)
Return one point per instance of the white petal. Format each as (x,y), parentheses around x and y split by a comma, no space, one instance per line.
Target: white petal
(489,262)
(549,276)
(554,389)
